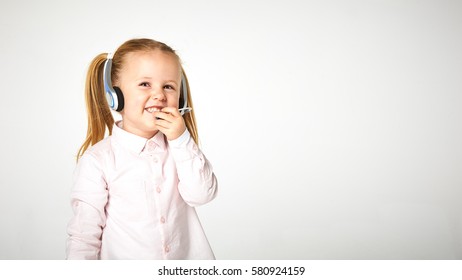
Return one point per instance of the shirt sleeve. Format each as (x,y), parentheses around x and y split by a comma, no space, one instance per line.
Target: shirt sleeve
(88,200)
(198,184)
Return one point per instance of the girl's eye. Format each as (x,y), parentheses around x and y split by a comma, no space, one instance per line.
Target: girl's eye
(169,87)
(144,84)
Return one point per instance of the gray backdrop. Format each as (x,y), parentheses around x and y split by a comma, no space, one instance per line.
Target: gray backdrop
(334,127)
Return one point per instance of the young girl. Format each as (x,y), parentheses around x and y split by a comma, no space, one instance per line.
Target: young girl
(135,191)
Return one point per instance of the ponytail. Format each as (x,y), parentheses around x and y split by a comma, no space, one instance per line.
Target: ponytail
(98,112)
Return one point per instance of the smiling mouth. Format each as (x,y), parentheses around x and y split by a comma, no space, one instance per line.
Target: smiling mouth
(153,109)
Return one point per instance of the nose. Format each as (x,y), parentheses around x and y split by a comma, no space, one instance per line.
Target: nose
(158,94)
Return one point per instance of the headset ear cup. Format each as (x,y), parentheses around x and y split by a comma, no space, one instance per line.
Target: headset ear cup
(181,105)
(183,93)
(120,99)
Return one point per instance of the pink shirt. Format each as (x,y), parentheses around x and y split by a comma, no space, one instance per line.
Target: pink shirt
(134,198)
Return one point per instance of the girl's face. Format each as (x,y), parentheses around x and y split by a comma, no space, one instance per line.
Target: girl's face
(149,81)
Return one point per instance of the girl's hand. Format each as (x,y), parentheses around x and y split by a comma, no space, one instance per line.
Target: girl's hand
(170,122)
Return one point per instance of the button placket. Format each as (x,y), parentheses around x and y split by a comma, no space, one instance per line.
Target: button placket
(161,219)
(156,166)
(153,201)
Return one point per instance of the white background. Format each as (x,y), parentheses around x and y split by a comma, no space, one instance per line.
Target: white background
(334,127)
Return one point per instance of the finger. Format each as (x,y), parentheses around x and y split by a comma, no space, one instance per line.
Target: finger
(171,110)
(162,124)
(163,116)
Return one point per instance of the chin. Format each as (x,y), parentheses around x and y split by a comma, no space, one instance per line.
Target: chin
(151,128)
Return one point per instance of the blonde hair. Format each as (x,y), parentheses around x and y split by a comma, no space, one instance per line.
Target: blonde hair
(98,112)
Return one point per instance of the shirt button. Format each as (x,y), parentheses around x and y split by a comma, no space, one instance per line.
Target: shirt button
(155,160)
(158,190)
(167,249)
(162,220)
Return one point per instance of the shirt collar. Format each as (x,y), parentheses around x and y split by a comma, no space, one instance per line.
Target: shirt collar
(137,143)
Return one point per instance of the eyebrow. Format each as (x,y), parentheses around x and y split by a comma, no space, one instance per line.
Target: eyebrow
(149,78)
